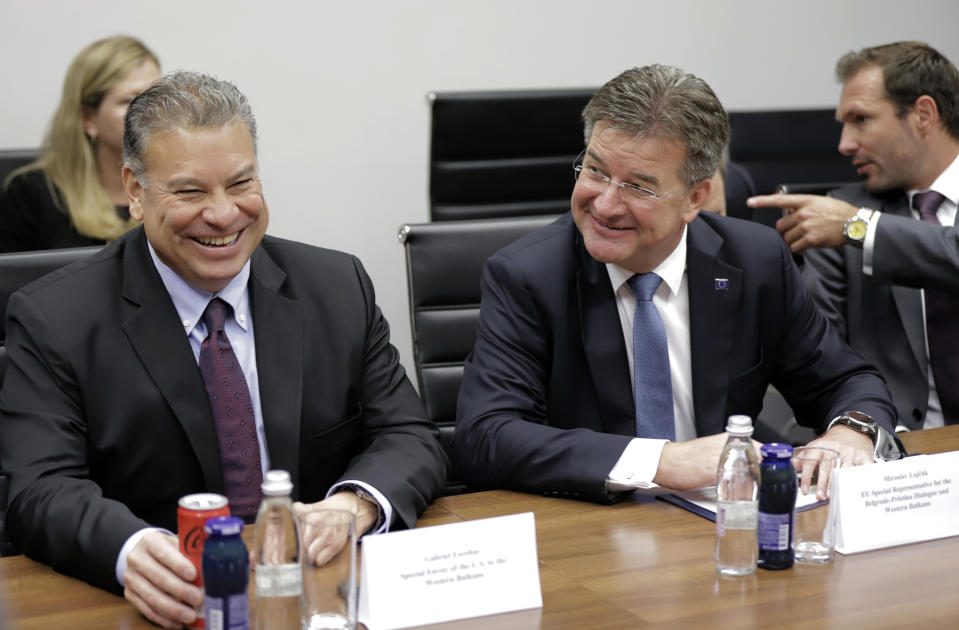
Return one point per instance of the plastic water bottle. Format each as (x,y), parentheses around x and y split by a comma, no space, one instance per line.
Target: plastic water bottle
(737,494)
(777,502)
(278,573)
(226,572)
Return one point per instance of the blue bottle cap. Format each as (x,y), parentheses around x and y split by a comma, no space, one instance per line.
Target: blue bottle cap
(776,451)
(224,526)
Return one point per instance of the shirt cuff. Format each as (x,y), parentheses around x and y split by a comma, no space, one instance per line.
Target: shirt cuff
(386,510)
(128,548)
(637,466)
(869,242)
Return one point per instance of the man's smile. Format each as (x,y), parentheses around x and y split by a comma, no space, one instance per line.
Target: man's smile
(217,241)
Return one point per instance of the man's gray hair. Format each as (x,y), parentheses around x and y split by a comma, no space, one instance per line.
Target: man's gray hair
(181,100)
(666,103)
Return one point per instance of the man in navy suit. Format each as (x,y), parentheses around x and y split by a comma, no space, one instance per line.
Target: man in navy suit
(105,418)
(556,397)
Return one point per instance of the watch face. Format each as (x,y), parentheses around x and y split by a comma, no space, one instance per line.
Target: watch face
(856,229)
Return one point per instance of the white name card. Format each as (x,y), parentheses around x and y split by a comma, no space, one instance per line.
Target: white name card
(894,503)
(436,574)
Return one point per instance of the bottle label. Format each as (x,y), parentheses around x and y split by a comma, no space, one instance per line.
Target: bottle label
(279,580)
(230,613)
(736,515)
(775,531)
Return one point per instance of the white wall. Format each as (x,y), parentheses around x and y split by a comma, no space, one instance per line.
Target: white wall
(339,87)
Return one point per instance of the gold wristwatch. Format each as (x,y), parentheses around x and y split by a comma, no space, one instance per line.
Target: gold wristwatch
(857,226)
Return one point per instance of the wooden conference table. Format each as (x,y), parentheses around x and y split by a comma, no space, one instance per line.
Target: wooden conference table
(636,564)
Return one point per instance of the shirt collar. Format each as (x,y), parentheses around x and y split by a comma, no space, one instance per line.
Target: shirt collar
(671,270)
(190,302)
(947,184)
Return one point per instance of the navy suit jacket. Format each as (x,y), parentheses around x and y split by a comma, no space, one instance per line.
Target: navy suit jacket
(546,403)
(105,423)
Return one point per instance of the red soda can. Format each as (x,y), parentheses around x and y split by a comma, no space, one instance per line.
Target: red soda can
(191,516)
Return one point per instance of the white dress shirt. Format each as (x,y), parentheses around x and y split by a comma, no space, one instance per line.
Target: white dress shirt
(637,465)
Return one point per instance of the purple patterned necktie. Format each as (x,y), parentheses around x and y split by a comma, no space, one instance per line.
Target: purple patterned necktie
(232,414)
(652,384)
(942,325)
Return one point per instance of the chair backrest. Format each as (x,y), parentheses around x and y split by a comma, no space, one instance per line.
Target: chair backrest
(788,146)
(17,270)
(12,159)
(503,154)
(444,263)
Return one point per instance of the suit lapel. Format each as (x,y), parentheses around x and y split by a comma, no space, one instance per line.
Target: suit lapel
(278,328)
(602,336)
(908,299)
(152,326)
(712,321)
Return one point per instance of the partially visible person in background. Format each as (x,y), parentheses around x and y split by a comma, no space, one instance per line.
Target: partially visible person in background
(72,195)
(729,188)
(716,199)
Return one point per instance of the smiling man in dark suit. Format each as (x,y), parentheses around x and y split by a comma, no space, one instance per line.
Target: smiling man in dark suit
(193,354)
(613,344)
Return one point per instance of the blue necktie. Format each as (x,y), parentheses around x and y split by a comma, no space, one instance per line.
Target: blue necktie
(652,387)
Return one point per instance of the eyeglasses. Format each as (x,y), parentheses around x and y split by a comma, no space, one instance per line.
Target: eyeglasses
(593,178)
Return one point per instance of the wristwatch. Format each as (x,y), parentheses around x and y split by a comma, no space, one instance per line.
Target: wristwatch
(856,226)
(362,493)
(885,445)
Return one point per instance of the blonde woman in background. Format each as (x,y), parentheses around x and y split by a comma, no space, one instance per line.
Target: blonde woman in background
(72,195)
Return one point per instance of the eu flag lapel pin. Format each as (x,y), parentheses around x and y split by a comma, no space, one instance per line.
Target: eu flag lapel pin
(721,284)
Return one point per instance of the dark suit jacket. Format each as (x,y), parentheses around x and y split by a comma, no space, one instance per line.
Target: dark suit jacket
(105,424)
(546,403)
(880,315)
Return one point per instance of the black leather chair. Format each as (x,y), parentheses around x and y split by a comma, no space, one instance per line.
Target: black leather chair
(12,159)
(788,146)
(503,154)
(17,270)
(444,263)
(798,146)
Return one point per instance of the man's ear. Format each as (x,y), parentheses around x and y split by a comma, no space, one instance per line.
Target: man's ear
(927,114)
(134,192)
(696,197)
